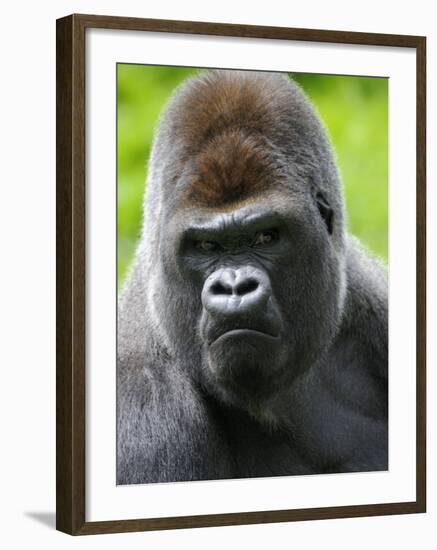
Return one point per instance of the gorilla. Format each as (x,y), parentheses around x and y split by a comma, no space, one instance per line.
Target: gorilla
(252,330)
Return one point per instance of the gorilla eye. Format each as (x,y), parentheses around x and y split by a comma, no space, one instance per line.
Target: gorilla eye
(325,211)
(207,246)
(265,237)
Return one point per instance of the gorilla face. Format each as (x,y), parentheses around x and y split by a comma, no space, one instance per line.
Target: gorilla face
(255,276)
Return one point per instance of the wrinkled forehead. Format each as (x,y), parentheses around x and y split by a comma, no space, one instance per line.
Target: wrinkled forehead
(253,210)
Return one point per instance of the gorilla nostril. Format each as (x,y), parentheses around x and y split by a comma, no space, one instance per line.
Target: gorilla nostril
(247,286)
(220,288)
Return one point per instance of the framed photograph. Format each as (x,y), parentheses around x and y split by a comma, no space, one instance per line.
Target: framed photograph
(240,274)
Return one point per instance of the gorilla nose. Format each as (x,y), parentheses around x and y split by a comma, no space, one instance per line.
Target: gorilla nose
(242,291)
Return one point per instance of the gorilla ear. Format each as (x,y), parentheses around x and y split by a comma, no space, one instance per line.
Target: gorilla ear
(325,211)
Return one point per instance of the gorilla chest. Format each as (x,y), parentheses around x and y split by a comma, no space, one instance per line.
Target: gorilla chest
(259,452)
(325,435)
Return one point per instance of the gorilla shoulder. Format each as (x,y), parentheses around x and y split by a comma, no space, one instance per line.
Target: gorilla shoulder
(366,309)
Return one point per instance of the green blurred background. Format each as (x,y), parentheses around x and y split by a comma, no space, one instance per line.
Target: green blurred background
(354,109)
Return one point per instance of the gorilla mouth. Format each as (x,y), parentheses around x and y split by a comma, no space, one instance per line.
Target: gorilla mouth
(244,332)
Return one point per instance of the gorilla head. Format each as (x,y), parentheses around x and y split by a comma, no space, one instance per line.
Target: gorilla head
(243,247)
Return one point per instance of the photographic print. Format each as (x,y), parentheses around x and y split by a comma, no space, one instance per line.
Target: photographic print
(252,335)
(240,274)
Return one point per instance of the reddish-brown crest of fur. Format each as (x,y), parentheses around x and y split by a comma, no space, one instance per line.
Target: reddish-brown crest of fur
(232,167)
(227,128)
